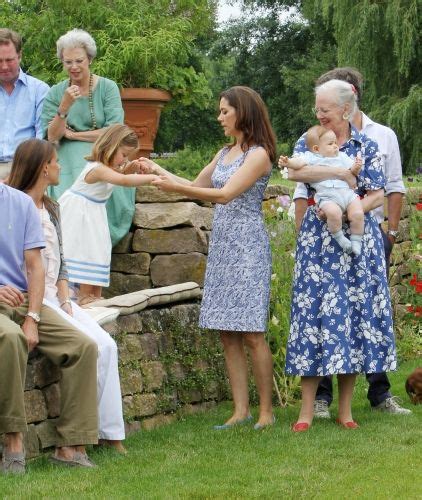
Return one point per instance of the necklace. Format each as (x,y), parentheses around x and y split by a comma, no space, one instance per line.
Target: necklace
(90,104)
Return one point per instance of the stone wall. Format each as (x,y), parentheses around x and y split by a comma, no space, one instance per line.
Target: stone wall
(168,242)
(166,365)
(400,270)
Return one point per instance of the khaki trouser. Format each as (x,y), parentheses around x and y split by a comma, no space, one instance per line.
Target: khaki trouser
(65,346)
(5,169)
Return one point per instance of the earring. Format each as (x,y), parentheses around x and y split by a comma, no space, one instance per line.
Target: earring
(346,116)
(45,174)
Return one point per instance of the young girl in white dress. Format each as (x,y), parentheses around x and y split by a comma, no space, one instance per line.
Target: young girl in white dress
(86,235)
(34,169)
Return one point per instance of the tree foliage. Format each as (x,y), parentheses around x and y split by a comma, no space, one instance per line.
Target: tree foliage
(382,40)
(140,43)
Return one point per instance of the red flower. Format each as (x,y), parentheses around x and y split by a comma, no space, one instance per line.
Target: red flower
(413,281)
(418,287)
(419,206)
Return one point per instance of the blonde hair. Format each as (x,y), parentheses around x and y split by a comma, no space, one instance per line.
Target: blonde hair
(314,134)
(107,144)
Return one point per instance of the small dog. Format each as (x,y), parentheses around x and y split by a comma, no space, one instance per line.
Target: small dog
(414,386)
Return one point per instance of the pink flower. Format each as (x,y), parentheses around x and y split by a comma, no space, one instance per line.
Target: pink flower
(284,200)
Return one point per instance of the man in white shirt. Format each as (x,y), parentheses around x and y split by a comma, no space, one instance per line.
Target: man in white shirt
(379,394)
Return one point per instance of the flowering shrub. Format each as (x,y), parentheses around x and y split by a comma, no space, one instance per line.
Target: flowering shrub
(281,229)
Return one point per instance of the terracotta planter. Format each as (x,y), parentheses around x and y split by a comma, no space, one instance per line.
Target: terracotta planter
(142,113)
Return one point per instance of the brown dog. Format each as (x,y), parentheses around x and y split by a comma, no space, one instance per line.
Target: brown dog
(414,386)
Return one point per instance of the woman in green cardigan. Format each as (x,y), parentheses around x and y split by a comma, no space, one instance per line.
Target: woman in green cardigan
(75,113)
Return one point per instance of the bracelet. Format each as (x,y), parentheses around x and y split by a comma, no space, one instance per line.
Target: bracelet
(66,301)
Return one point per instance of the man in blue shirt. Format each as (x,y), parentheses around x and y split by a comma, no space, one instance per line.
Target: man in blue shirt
(25,323)
(21,98)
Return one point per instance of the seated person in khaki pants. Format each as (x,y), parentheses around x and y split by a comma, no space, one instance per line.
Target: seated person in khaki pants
(25,324)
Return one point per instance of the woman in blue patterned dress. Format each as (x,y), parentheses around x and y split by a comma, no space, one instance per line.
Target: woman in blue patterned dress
(237,281)
(341,319)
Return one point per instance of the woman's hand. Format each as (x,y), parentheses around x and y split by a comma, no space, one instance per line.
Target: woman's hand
(67,308)
(148,166)
(165,183)
(132,167)
(69,134)
(71,94)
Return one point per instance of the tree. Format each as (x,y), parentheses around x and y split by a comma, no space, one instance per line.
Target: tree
(279,54)
(382,40)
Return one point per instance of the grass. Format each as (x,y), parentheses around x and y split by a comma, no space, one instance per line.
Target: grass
(187,459)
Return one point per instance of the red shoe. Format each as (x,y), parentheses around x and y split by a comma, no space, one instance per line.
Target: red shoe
(300,427)
(347,425)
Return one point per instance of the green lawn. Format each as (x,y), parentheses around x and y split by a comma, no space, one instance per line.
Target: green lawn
(187,459)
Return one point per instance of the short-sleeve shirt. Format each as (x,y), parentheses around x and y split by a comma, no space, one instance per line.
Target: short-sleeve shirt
(20,230)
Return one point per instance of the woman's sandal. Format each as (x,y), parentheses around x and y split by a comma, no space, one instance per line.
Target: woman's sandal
(78,460)
(116,445)
(347,425)
(85,300)
(300,427)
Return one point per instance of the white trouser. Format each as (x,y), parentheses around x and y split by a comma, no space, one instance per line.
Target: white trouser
(110,413)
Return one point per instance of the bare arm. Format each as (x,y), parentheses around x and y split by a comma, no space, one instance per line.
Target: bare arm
(256,165)
(300,208)
(373,199)
(107,174)
(63,296)
(202,180)
(394,202)
(317,173)
(35,277)
(84,136)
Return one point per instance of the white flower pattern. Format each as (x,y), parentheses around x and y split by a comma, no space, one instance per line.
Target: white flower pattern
(341,318)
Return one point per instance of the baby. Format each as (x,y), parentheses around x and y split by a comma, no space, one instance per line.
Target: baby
(334,197)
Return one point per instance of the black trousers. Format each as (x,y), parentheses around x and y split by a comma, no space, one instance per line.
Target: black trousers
(379,385)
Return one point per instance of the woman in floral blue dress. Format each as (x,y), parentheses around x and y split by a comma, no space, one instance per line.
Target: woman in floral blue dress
(341,319)
(237,281)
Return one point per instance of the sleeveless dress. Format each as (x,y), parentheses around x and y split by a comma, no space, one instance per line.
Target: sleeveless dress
(237,279)
(86,236)
(341,317)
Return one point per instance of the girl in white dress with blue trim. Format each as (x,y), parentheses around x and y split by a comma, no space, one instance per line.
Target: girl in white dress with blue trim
(86,235)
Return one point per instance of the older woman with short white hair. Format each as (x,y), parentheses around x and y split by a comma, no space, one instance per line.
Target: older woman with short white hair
(75,113)
(341,319)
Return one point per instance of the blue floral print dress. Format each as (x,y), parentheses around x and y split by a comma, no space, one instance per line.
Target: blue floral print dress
(238,275)
(341,318)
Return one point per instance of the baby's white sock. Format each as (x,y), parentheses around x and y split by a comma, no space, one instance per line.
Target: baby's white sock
(343,241)
(356,240)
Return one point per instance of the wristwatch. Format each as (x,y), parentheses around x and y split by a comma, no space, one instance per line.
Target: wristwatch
(392,233)
(61,115)
(35,316)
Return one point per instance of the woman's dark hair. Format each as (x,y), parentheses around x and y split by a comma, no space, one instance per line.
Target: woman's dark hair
(252,119)
(30,157)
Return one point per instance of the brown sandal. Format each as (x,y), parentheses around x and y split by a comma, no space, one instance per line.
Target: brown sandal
(85,300)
